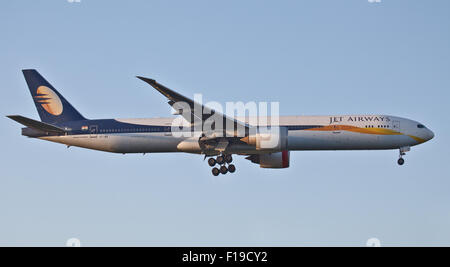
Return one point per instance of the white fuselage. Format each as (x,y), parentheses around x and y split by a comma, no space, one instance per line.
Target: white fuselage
(341,132)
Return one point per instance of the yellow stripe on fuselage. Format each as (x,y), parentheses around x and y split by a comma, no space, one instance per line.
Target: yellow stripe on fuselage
(418,139)
(377,131)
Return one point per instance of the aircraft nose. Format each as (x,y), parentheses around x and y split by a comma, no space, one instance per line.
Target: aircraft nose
(430,135)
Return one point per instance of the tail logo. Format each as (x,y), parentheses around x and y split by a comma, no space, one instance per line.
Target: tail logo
(49,100)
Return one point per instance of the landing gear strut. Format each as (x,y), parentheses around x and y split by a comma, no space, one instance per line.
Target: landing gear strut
(225,164)
(403,151)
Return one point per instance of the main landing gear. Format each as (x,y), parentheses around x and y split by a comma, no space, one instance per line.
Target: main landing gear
(223,161)
(403,151)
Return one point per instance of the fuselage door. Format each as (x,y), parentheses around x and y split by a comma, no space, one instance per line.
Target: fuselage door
(168,129)
(93,131)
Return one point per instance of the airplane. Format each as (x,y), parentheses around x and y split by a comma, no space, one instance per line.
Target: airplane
(62,123)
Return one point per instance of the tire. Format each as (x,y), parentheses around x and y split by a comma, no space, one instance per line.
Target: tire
(401,161)
(215,172)
(228,158)
(212,162)
(231,168)
(223,170)
(220,160)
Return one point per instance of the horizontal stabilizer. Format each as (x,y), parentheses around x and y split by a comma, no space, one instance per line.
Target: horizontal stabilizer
(41,126)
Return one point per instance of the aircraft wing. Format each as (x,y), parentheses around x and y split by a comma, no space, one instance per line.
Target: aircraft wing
(206,113)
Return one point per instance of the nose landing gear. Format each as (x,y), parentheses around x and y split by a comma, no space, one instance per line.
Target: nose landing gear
(225,164)
(403,151)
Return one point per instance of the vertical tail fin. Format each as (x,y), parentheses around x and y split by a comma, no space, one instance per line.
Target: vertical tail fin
(52,107)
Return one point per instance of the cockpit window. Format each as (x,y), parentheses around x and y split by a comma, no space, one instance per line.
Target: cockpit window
(421,126)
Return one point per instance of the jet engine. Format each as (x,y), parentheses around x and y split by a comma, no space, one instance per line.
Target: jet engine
(272,139)
(278,160)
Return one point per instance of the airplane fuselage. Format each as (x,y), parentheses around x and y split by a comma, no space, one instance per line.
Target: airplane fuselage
(336,132)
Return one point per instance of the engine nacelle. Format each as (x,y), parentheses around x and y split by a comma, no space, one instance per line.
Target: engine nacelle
(273,139)
(190,145)
(278,160)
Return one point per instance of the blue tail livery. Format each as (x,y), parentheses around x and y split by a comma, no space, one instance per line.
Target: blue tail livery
(52,107)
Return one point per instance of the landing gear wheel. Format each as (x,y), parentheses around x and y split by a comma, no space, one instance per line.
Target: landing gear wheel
(228,159)
(212,162)
(220,160)
(215,171)
(401,161)
(223,170)
(231,168)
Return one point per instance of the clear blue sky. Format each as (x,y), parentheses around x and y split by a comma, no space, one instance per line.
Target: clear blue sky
(314,57)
